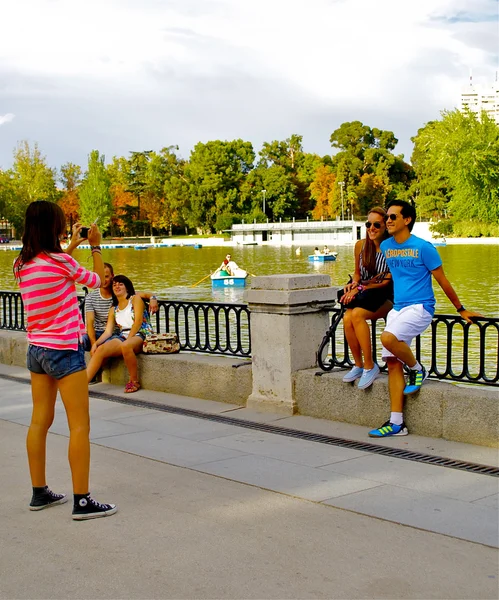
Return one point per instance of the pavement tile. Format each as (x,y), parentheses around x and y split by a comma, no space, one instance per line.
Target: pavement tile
(188,428)
(418,476)
(168,448)
(492,501)
(285,477)
(280,447)
(426,511)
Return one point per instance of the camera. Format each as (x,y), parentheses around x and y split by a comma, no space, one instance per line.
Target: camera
(84,232)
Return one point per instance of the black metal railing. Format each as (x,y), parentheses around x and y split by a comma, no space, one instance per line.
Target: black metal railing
(201,326)
(450,348)
(206,326)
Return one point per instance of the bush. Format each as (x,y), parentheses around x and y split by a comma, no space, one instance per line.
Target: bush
(444,227)
(475,229)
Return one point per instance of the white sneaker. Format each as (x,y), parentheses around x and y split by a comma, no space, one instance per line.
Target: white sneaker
(353,374)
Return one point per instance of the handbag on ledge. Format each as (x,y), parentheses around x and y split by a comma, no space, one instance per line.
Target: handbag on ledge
(161,343)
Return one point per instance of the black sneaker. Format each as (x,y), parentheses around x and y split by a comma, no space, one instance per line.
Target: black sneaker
(46,498)
(88,508)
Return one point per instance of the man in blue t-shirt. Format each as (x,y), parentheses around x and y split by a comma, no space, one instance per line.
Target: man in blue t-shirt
(412,262)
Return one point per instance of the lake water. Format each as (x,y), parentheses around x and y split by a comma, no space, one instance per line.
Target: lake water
(170,273)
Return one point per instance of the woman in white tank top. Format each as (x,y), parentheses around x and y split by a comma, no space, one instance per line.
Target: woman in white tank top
(129,314)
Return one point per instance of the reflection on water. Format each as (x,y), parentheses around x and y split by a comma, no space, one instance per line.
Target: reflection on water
(173,272)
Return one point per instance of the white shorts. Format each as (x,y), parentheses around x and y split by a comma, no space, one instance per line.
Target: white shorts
(406,324)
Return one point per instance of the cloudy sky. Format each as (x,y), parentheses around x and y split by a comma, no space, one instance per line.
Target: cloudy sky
(123,75)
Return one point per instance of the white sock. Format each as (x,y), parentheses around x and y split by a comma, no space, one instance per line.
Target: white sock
(416,367)
(397,418)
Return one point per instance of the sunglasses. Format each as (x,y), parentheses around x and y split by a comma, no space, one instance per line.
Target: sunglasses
(392,216)
(376,225)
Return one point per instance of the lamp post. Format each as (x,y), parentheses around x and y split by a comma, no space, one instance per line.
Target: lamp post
(342,185)
(263,195)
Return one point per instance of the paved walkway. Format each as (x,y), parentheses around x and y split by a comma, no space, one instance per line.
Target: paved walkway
(190,526)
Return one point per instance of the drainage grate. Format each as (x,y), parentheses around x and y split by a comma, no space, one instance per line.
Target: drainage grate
(430,459)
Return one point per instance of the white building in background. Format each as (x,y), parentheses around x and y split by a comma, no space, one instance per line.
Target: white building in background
(478,97)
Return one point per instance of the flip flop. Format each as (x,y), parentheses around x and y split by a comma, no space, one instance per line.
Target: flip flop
(132,386)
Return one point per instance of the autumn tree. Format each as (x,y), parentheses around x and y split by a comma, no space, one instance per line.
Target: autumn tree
(321,190)
(69,201)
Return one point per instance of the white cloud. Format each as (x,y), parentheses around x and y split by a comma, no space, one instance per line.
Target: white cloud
(203,59)
(6,118)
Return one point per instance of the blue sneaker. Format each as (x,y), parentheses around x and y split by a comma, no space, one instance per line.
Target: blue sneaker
(388,429)
(353,374)
(368,377)
(415,381)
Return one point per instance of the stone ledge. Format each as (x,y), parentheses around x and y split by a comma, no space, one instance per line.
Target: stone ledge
(208,377)
(462,414)
(205,376)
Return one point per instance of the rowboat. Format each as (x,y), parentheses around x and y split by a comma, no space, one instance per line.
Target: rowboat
(322,257)
(237,280)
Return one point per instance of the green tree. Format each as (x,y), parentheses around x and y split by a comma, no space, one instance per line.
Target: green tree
(94,192)
(365,162)
(30,179)
(216,172)
(459,156)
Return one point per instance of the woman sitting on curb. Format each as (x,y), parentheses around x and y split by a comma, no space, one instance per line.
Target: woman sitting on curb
(130,315)
(368,297)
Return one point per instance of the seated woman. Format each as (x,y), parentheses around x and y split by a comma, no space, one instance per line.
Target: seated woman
(224,269)
(368,297)
(129,314)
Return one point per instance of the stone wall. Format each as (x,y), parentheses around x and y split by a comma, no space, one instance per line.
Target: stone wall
(288,321)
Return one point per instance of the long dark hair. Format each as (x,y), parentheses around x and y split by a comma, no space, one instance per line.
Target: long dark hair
(44,223)
(369,248)
(130,290)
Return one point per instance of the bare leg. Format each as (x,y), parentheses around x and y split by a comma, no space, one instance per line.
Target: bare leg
(74,393)
(399,349)
(360,316)
(351,337)
(396,384)
(129,349)
(44,393)
(107,350)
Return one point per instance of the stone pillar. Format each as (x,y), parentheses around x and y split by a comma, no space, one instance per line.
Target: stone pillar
(288,322)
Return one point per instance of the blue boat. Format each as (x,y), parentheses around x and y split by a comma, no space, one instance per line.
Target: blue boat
(225,281)
(322,257)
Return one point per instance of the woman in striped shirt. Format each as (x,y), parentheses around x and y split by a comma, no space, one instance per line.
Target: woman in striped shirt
(368,297)
(47,277)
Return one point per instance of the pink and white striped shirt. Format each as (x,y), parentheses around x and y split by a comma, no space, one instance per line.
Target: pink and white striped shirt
(48,291)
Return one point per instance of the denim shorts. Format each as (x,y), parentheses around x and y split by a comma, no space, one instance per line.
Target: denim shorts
(56,363)
(122,338)
(86,340)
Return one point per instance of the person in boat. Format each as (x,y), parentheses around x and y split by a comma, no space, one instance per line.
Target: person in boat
(224,269)
(317,252)
(233,267)
(326,250)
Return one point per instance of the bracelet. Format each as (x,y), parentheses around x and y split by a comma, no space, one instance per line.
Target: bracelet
(460,309)
(95,249)
(361,288)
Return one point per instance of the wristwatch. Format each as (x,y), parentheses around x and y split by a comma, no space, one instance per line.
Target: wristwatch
(460,309)
(153,298)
